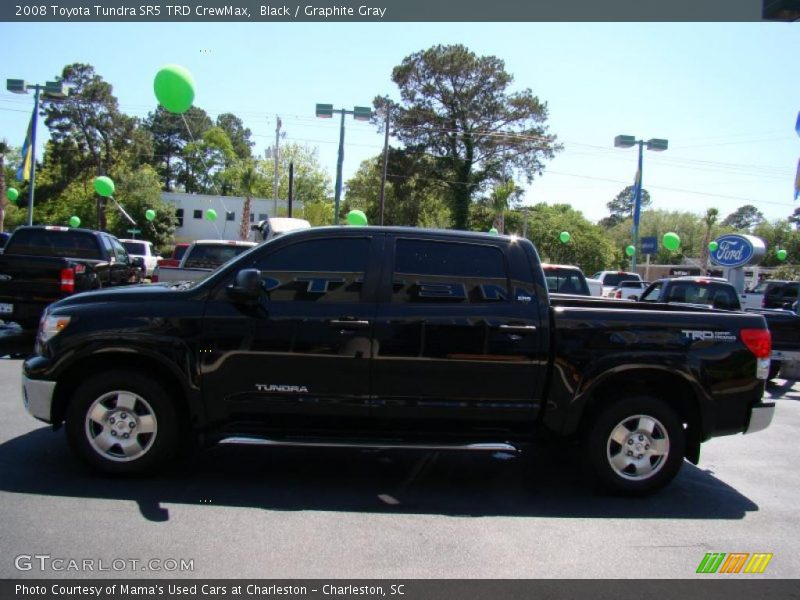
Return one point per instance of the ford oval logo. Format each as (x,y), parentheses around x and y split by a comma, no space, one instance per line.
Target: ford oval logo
(732,251)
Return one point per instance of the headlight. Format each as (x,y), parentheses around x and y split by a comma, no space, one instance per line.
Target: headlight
(51,325)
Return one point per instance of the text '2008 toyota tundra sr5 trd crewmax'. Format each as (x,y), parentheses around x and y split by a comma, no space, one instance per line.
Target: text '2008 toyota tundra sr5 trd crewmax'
(394,337)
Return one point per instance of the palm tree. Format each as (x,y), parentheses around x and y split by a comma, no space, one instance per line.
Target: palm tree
(500,203)
(3,202)
(709,220)
(248,180)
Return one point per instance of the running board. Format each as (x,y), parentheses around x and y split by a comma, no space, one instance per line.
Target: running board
(481,447)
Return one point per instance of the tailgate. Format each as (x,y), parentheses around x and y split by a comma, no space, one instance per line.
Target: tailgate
(31,278)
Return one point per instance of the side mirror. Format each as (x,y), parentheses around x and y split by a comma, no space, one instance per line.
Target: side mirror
(137,262)
(247,285)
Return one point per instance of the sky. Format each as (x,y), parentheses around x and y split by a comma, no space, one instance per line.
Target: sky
(725,95)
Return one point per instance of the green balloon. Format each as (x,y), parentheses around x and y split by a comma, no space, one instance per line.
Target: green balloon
(74,221)
(630,250)
(12,194)
(149,214)
(104,186)
(781,254)
(564,237)
(211,214)
(494,231)
(671,241)
(356,217)
(174,88)
(712,246)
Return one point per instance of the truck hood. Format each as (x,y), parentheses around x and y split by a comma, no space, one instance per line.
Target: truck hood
(131,293)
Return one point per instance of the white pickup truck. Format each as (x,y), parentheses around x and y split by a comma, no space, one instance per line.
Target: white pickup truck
(200,258)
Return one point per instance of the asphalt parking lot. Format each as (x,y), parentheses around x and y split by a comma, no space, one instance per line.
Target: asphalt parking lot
(287,513)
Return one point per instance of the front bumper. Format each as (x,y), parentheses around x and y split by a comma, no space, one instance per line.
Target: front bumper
(760,417)
(37,396)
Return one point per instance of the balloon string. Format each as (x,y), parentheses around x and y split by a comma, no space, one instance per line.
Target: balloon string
(203,160)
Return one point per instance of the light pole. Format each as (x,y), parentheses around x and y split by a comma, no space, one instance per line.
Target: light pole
(656,144)
(360,113)
(54,89)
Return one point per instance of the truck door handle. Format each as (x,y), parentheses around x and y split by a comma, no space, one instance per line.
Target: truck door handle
(349,323)
(517,328)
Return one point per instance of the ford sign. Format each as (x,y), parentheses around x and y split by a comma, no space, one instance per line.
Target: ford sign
(735,250)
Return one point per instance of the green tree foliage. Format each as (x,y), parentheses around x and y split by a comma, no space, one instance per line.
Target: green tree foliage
(208,164)
(171,133)
(88,133)
(137,191)
(690,227)
(744,218)
(621,207)
(458,108)
(238,134)
(588,247)
(311,182)
(318,212)
(411,197)
(779,235)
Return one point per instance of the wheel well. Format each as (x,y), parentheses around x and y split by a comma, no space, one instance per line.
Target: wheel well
(76,374)
(674,391)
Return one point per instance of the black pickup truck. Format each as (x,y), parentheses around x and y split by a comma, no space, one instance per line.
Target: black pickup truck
(784,325)
(393,338)
(42,264)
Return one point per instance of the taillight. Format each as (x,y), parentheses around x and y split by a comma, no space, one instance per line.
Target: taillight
(618,294)
(153,278)
(758,341)
(67,281)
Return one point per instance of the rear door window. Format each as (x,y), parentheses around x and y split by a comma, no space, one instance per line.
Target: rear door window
(448,272)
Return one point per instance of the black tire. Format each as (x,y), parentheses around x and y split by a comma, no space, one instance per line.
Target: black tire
(636,445)
(122,423)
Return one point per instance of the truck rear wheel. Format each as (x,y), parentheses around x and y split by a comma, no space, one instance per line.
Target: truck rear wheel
(636,445)
(121,423)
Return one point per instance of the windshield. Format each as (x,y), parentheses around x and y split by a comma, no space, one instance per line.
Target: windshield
(135,248)
(53,242)
(566,281)
(614,279)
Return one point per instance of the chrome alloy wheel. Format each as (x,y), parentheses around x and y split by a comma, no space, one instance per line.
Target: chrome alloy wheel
(638,447)
(121,426)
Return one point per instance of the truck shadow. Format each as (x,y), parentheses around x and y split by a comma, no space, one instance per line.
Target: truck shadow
(543,482)
(781,389)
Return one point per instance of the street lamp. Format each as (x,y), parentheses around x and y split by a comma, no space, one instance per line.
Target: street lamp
(656,144)
(53,89)
(360,113)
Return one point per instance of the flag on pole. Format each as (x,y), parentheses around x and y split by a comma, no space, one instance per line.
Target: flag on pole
(24,171)
(797,181)
(636,196)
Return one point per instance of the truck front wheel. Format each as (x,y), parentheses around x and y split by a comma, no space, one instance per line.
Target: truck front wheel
(636,445)
(122,423)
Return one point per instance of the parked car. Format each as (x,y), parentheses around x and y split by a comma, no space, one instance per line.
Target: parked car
(143,249)
(628,290)
(595,286)
(42,264)
(202,257)
(175,258)
(275,226)
(611,279)
(4,236)
(565,279)
(780,294)
(394,337)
